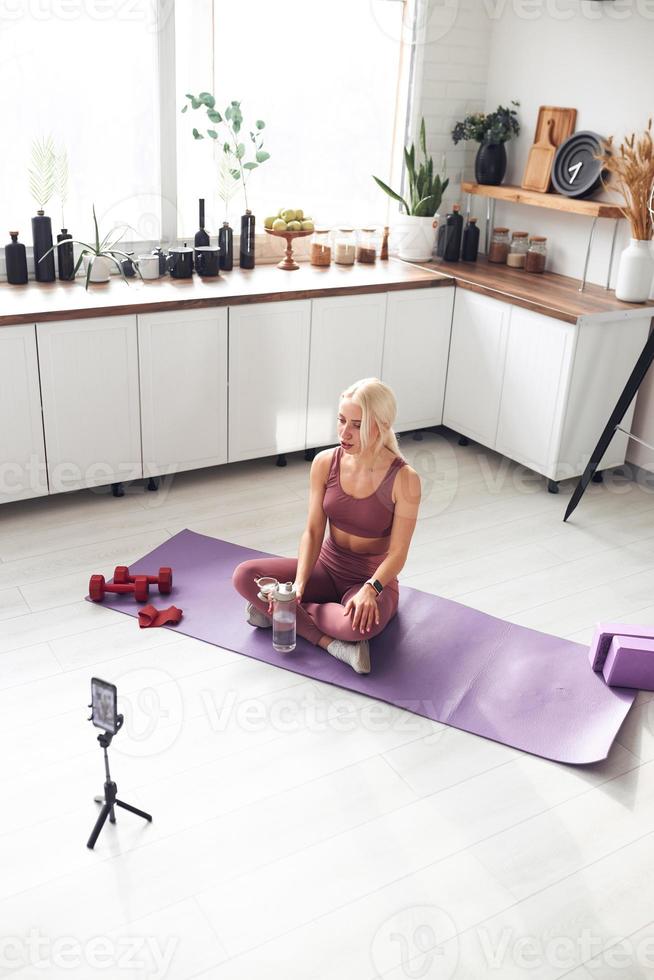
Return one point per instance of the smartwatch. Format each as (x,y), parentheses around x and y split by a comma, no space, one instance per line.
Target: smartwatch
(376,584)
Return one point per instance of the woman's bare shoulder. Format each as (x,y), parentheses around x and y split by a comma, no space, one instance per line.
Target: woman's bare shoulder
(321,464)
(407,484)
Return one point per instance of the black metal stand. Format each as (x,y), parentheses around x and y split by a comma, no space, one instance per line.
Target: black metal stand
(110,799)
(624,401)
(309,455)
(118,490)
(153,483)
(281,460)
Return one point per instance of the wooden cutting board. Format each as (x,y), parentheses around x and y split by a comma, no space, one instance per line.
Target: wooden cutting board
(559,123)
(563,125)
(539,164)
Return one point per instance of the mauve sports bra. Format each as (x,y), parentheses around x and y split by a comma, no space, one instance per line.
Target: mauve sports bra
(367,517)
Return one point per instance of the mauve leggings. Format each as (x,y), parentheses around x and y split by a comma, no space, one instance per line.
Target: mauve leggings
(337,575)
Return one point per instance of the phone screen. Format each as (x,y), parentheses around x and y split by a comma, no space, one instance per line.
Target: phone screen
(104,699)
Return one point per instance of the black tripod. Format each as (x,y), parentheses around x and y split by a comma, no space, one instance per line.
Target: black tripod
(110,798)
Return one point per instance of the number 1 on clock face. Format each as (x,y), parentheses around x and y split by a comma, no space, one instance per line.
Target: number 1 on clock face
(574,170)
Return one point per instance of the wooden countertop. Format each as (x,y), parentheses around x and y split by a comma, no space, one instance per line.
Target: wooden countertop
(37,302)
(546,293)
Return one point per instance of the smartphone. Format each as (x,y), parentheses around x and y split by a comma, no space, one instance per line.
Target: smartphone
(104,701)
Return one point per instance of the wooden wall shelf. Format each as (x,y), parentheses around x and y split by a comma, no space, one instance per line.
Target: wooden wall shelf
(556,202)
(512,194)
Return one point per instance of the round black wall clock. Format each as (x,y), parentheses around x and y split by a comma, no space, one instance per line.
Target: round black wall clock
(576,171)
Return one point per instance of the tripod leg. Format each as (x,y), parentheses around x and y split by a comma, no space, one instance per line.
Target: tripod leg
(112,816)
(624,401)
(99,824)
(133,809)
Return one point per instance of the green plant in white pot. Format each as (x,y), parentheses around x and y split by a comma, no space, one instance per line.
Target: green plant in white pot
(416,228)
(101,256)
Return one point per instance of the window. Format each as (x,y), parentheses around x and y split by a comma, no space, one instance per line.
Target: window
(84,71)
(330,81)
(107,79)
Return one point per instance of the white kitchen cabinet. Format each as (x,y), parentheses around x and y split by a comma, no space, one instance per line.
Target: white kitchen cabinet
(22,450)
(416,345)
(268,371)
(476,366)
(90,395)
(537,389)
(605,355)
(183,375)
(537,370)
(347,341)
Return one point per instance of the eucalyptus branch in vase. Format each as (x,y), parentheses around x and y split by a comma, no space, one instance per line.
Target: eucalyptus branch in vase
(229,137)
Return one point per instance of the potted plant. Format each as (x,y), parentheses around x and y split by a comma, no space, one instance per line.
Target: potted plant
(491,130)
(417,226)
(632,168)
(99,257)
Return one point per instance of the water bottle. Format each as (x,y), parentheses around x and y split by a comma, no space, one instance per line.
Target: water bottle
(283,618)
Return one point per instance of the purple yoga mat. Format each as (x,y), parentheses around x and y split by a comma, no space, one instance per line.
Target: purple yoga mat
(437,658)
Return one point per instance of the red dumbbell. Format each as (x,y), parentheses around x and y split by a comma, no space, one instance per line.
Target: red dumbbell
(163,581)
(98,588)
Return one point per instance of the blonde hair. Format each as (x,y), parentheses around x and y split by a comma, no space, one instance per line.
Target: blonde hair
(378,405)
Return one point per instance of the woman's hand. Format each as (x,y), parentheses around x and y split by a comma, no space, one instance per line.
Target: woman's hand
(299,591)
(365,609)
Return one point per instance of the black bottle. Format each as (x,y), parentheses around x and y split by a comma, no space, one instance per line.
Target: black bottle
(65,256)
(470,246)
(226,243)
(441,237)
(453,237)
(42,240)
(246,260)
(16,261)
(201,237)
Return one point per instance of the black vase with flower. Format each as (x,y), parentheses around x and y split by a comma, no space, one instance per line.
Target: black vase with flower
(490,163)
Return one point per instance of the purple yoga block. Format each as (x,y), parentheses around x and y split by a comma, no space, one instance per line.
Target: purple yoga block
(599,648)
(630,663)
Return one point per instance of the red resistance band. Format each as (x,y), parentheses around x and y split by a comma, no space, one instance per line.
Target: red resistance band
(150,616)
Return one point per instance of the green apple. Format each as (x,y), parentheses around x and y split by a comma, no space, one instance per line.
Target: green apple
(307,224)
(268,222)
(280,212)
(288,215)
(279,225)
(299,215)
(294,226)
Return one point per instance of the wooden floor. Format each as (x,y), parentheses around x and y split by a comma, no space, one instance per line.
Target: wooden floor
(302,832)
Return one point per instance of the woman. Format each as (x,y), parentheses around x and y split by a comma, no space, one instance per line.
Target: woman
(346,584)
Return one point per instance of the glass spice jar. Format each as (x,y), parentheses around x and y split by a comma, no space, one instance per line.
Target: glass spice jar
(518,250)
(537,254)
(344,246)
(321,248)
(367,246)
(499,246)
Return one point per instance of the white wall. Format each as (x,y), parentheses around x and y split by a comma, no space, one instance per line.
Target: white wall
(597,57)
(452,56)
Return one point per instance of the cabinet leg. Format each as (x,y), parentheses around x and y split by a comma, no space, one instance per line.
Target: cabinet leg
(153,483)
(309,455)
(118,489)
(417,435)
(464,441)
(597,478)
(281,460)
(552,486)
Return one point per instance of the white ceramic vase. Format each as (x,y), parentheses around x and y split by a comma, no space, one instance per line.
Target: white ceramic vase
(101,269)
(635,272)
(415,237)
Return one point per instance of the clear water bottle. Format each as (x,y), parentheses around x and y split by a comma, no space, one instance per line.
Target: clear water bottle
(283,618)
